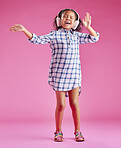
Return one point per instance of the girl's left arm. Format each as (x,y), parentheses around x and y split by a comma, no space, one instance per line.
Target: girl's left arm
(87,23)
(92,31)
(93,36)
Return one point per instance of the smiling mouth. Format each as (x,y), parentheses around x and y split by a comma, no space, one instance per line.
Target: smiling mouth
(67,23)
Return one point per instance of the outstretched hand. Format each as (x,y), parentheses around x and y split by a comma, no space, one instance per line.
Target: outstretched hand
(17,27)
(87,20)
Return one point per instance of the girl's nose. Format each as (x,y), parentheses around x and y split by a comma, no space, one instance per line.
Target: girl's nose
(68,17)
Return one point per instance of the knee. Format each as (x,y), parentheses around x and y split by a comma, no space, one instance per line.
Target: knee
(74,105)
(61,106)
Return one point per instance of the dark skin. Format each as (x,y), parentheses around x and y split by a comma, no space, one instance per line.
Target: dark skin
(67,21)
(69,18)
(74,104)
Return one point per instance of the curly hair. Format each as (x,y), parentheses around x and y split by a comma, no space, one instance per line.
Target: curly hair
(79,27)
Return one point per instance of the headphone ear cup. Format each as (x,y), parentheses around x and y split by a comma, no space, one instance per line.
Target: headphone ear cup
(58,21)
(76,23)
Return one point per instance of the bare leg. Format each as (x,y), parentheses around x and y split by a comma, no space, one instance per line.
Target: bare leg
(74,104)
(60,95)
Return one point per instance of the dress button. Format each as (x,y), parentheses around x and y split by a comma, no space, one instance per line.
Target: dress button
(67,31)
(69,43)
(67,37)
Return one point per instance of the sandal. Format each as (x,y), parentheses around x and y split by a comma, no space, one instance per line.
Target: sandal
(78,136)
(58,136)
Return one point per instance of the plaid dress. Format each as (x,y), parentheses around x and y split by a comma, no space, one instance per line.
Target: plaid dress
(65,68)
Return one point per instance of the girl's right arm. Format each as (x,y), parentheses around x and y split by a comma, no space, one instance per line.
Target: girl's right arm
(32,37)
(21,28)
(27,33)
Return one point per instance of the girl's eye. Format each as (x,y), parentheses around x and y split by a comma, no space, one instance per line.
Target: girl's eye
(65,15)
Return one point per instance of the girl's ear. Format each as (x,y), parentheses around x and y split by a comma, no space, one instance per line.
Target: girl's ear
(58,21)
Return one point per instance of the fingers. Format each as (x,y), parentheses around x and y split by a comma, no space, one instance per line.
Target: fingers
(83,21)
(87,16)
(17,27)
(14,28)
(87,20)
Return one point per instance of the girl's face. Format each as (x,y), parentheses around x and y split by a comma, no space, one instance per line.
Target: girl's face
(67,20)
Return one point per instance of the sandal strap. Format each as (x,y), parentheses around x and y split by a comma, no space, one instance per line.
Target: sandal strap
(58,133)
(58,136)
(78,134)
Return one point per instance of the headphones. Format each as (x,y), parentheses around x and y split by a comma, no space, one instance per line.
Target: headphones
(58,19)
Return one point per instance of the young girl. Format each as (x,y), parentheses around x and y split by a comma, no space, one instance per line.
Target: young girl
(65,68)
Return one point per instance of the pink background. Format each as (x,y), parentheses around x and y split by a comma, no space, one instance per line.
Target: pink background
(24,91)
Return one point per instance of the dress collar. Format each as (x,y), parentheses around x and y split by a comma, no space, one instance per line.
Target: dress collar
(67,31)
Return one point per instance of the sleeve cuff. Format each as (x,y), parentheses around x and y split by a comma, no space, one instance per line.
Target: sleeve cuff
(33,37)
(95,37)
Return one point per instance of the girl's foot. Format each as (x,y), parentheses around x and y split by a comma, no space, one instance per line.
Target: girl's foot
(78,136)
(58,136)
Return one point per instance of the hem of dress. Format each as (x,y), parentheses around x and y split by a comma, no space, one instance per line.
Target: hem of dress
(66,91)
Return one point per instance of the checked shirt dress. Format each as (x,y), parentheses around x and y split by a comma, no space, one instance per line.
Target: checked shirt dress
(65,68)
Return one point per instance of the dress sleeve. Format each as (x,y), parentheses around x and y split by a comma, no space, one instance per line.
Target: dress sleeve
(87,38)
(42,39)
